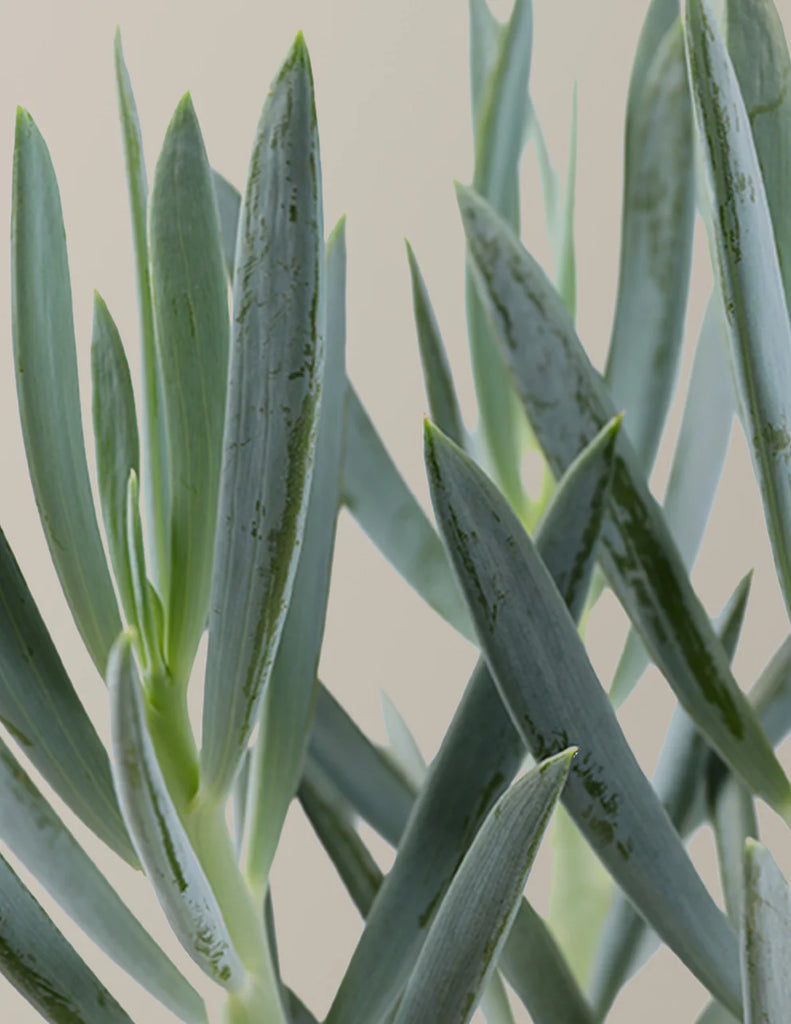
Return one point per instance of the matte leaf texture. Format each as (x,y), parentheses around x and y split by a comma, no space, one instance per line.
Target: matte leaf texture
(479,756)
(277,353)
(192,329)
(229,203)
(290,697)
(732,814)
(758,49)
(41,710)
(38,839)
(656,247)
(162,844)
(377,496)
(499,115)
(748,274)
(116,441)
(766,938)
(697,466)
(544,676)
(378,793)
(43,967)
(45,361)
(403,747)
(472,922)
(568,403)
(156,484)
(442,401)
(626,941)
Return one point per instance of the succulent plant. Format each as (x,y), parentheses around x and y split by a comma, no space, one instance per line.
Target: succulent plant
(217,507)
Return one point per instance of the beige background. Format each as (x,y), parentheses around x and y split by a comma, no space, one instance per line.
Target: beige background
(392,95)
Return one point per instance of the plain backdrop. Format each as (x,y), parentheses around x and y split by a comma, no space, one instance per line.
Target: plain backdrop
(393,107)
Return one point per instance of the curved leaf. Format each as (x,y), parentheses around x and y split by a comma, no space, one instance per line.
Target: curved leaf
(766,938)
(154,428)
(479,756)
(161,842)
(472,922)
(45,360)
(568,403)
(192,327)
(116,440)
(38,838)
(290,698)
(528,635)
(229,204)
(41,710)
(748,274)
(268,446)
(379,499)
(43,967)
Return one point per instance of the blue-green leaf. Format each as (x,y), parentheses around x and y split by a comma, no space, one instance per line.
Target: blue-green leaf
(45,361)
(733,817)
(229,203)
(766,938)
(697,466)
(192,328)
(116,441)
(377,496)
(479,756)
(527,635)
(38,838)
(499,115)
(442,401)
(403,747)
(276,362)
(748,274)
(656,248)
(43,967)
(626,940)
(472,922)
(156,485)
(41,710)
(759,51)
(290,698)
(162,844)
(568,403)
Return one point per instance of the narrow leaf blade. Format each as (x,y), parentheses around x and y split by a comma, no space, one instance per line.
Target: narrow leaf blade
(766,938)
(472,923)
(45,360)
(277,354)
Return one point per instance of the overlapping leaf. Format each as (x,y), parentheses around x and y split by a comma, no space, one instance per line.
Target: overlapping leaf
(527,636)
(748,273)
(766,938)
(192,328)
(568,402)
(45,361)
(276,361)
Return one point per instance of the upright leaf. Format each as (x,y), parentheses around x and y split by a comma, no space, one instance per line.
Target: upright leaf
(45,361)
(479,756)
(277,354)
(472,923)
(568,403)
(732,814)
(766,938)
(499,115)
(38,839)
(162,844)
(291,696)
(41,710)
(442,401)
(377,496)
(116,440)
(748,274)
(43,967)
(759,51)
(543,674)
(156,484)
(192,327)
(656,247)
(229,203)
